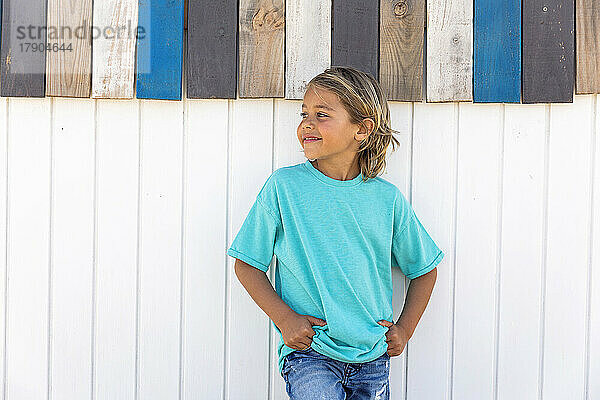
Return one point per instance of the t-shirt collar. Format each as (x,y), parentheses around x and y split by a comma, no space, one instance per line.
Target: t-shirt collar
(326,179)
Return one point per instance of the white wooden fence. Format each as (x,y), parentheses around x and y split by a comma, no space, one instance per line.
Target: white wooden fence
(116,215)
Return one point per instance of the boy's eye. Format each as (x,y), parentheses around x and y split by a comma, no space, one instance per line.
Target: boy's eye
(319,114)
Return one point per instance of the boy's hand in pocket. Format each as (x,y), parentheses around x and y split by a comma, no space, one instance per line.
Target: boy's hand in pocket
(397,337)
(297,331)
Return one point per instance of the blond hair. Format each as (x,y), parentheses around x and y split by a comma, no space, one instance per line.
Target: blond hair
(362,97)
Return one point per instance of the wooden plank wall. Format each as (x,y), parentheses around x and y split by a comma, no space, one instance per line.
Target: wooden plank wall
(548,51)
(69,60)
(473,54)
(23,55)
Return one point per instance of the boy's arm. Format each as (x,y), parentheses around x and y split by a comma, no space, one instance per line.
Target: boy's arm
(417,297)
(260,289)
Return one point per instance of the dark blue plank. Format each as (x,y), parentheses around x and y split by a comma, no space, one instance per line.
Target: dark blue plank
(497,51)
(159,49)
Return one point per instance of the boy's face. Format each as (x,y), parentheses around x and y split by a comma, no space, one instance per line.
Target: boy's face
(324,117)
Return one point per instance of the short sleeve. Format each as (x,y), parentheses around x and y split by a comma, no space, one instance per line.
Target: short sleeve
(255,241)
(413,250)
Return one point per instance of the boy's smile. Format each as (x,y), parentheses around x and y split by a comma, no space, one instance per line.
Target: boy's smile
(326,133)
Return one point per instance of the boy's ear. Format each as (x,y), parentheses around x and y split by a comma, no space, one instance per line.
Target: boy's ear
(367,126)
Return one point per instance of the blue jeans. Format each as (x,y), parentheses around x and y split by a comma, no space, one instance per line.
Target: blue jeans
(310,375)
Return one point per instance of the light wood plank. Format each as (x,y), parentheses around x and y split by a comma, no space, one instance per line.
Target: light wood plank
(401,34)
(117,148)
(587,42)
(72,247)
(308,43)
(113,48)
(261,48)
(28,243)
(449,50)
(69,61)
(567,251)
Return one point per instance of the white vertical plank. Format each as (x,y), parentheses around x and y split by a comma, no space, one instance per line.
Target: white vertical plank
(479,142)
(72,247)
(28,241)
(248,326)
(287,151)
(567,249)
(117,169)
(449,50)
(113,49)
(594,340)
(161,154)
(398,171)
(205,213)
(307,43)
(433,199)
(521,251)
(3,216)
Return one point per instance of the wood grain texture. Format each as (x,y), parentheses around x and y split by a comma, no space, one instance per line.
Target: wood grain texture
(548,51)
(159,49)
(449,50)
(307,43)
(113,48)
(211,65)
(23,54)
(69,59)
(261,48)
(401,49)
(497,51)
(587,42)
(355,35)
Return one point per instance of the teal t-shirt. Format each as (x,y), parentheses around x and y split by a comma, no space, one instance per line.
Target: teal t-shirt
(335,244)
